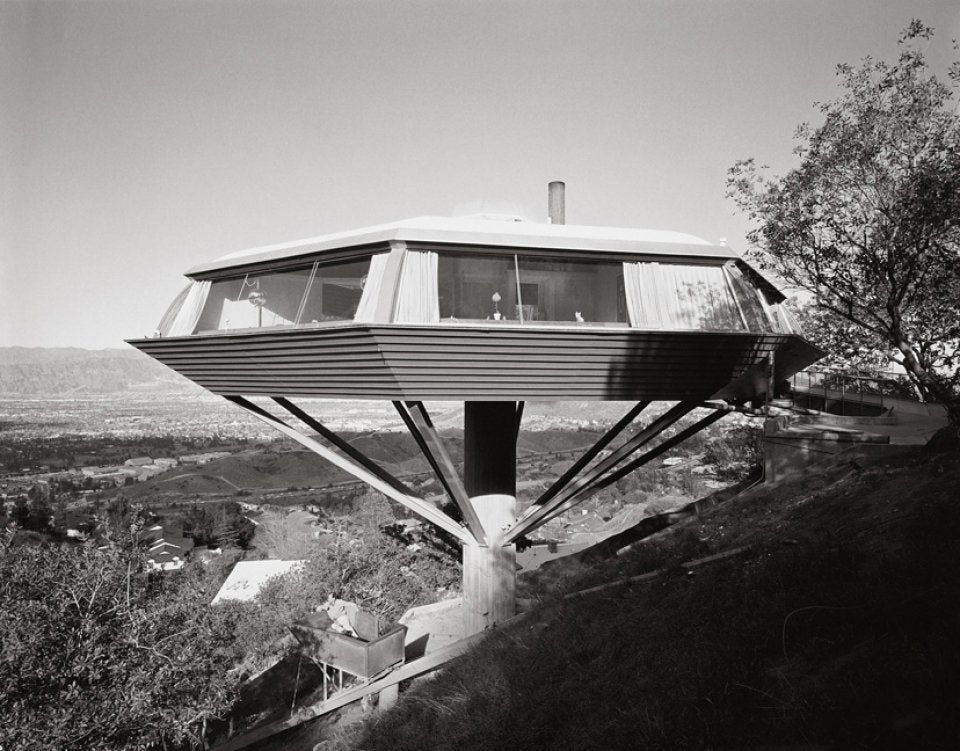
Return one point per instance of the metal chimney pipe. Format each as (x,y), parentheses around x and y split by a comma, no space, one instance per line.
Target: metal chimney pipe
(557,202)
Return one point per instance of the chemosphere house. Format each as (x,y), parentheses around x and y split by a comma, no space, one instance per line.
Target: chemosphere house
(490,311)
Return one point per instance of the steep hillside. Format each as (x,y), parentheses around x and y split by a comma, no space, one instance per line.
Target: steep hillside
(832,625)
(60,371)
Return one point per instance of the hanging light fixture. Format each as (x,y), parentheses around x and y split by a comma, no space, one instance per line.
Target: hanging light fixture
(257,299)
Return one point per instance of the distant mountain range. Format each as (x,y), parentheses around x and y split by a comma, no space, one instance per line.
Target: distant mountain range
(62,371)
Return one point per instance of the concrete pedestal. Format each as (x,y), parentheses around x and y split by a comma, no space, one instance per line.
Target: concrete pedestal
(388,697)
(490,572)
(490,479)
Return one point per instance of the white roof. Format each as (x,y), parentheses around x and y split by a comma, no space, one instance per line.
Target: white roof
(248,577)
(484,230)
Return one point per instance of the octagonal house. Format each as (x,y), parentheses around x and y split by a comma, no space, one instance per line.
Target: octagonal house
(490,311)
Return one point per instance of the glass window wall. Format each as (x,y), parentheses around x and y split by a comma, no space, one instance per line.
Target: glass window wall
(335,292)
(748,297)
(310,295)
(527,290)
(572,292)
(476,288)
(675,296)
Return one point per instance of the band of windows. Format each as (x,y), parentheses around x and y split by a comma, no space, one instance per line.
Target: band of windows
(428,287)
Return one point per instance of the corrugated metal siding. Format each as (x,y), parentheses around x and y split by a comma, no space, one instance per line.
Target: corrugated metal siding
(444,362)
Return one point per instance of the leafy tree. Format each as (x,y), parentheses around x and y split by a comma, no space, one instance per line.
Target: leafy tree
(218,525)
(869,222)
(21,511)
(40,513)
(200,524)
(97,653)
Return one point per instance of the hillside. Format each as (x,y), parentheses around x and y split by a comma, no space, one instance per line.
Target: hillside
(60,371)
(264,469)
(832,626)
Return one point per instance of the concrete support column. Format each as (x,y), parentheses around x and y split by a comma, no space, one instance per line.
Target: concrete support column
(388,697)
(490,572)
(490,479)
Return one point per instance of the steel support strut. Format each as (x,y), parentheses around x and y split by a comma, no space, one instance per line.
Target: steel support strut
(537,514)
(417,505)
(562,482)
(355,454)
(644,458)
(418,422)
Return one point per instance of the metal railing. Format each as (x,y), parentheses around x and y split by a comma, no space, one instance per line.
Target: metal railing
(854,388)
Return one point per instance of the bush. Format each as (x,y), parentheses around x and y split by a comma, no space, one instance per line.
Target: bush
(98,653)
(735,452)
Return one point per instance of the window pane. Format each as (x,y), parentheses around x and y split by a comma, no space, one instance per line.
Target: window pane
(775,312)
(254,301)
(680,296)
(477,288)
(703,299)
(335,292)
(572,291)
(748,297)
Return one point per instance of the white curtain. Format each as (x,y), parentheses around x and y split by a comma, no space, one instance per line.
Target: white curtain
(679,296)
(372,289)
(703,299)
(640,286)
(163,329)
(418,300)
(189,313)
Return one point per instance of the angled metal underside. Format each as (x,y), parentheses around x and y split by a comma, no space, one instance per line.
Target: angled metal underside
(362,471)
(457,363)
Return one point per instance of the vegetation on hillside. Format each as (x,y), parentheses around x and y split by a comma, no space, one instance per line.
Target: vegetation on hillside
(835,628)
(98,653)
(367,560)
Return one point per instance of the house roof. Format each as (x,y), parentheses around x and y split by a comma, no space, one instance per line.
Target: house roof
(167,531)
(248,577)
(482,231)
(181,543)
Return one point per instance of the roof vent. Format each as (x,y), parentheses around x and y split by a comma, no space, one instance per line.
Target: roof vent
(556,202)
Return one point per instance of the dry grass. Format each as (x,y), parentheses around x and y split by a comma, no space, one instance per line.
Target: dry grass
(837,629)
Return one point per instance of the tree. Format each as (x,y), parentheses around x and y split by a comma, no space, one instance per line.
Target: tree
(21,511)
(97,653)
(869,222)
(218,525)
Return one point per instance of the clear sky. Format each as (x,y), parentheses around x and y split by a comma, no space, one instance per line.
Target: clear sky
(140,138)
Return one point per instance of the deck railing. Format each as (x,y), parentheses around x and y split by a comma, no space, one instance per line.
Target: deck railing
(854,390)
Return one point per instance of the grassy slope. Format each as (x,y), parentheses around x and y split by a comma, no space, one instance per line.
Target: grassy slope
(838,628)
